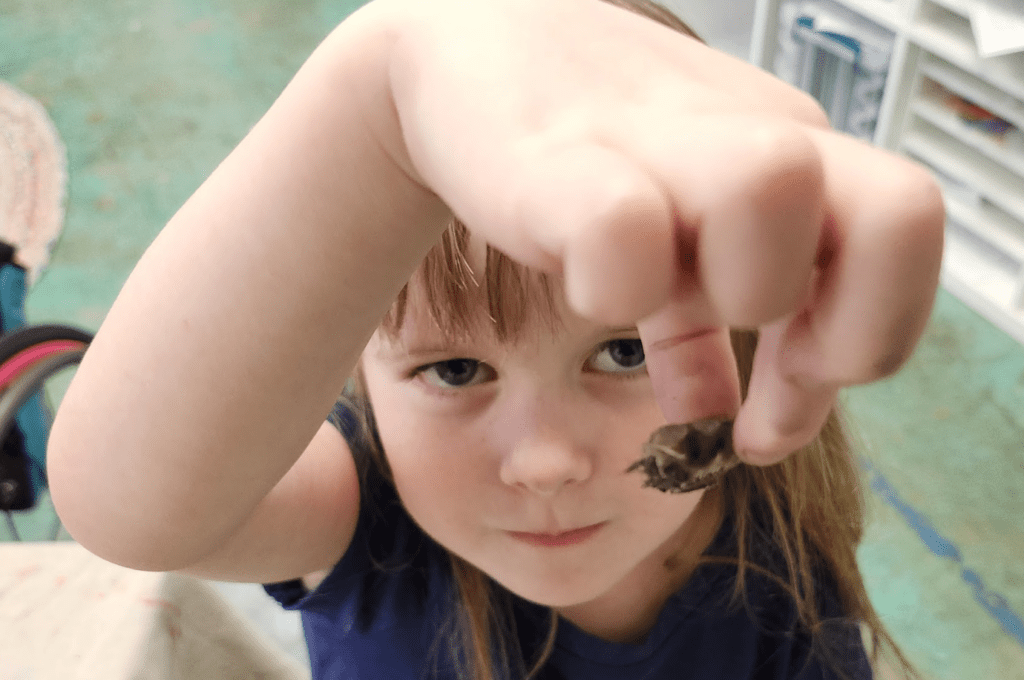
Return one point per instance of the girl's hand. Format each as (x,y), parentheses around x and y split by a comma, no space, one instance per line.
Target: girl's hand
(676,188)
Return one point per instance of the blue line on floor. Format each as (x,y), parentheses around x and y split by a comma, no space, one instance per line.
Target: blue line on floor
(991,601)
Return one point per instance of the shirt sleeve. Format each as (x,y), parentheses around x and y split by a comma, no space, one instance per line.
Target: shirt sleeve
(384,534)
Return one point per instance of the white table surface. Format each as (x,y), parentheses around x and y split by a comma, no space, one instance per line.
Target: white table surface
(65,614)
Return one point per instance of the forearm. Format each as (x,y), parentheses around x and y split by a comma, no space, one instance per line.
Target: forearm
(233,336)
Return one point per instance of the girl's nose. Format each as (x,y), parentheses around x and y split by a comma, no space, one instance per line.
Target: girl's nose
(545,465)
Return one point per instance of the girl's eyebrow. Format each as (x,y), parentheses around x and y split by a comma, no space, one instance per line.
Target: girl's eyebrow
(422,350)
(387,350)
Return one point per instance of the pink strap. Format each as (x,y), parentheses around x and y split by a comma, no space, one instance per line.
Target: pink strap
(27,357)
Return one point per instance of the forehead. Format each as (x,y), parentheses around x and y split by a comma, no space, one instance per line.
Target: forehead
(465,288)
(428,320)
(419,325)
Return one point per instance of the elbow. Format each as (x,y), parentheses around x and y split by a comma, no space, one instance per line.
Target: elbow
(114,534)
(107,517)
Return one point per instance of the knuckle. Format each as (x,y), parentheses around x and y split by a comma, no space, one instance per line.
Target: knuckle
(807,110)
(785,160)
(916,197)
(917,188)
(885,354)
(888,363)
(796,105)
(622,206)
(928,211)
(903,335)
(905,225)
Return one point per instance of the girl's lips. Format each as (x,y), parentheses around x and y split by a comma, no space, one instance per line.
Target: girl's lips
(572,537)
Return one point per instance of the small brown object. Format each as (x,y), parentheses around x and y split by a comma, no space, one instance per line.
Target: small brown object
(681,458)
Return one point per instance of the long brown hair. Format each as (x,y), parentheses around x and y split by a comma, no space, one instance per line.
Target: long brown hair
(812,502)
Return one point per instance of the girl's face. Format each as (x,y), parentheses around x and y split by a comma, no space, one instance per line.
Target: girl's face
(513,456)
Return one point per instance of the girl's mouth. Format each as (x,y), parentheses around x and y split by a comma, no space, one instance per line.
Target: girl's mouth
(564,538)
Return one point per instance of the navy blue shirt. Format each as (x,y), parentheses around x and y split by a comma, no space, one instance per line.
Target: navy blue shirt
(383,613)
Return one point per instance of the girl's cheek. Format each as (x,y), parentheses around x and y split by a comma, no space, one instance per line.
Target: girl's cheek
(415,449)
(453,410)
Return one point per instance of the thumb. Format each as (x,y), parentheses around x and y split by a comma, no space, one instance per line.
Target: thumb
(692,367)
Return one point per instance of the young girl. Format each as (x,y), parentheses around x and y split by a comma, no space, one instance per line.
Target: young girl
(624,196)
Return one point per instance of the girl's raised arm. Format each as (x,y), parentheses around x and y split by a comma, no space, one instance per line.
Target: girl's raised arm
(233,336)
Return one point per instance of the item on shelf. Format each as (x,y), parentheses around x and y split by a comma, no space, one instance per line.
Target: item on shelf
(972,114)
(977,117)
(838,57)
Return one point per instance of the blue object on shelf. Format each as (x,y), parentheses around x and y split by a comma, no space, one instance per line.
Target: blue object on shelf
(839,58)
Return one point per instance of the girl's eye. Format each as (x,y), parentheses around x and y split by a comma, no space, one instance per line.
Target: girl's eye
(454,373)
(619,356)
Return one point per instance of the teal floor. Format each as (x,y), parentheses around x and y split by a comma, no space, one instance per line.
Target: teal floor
(149,96)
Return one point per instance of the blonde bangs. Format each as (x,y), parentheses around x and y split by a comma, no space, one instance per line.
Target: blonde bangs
(504,299)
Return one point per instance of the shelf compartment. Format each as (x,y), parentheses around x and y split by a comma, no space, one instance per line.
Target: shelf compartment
(931,108)
(983,259)
(987,285)
(971,87)
(986,296)
(990,224)
(999,230)
(961,7)
(949,155)
(893,14)
(949,35)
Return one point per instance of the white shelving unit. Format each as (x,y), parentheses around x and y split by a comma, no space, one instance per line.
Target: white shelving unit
(982,174)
